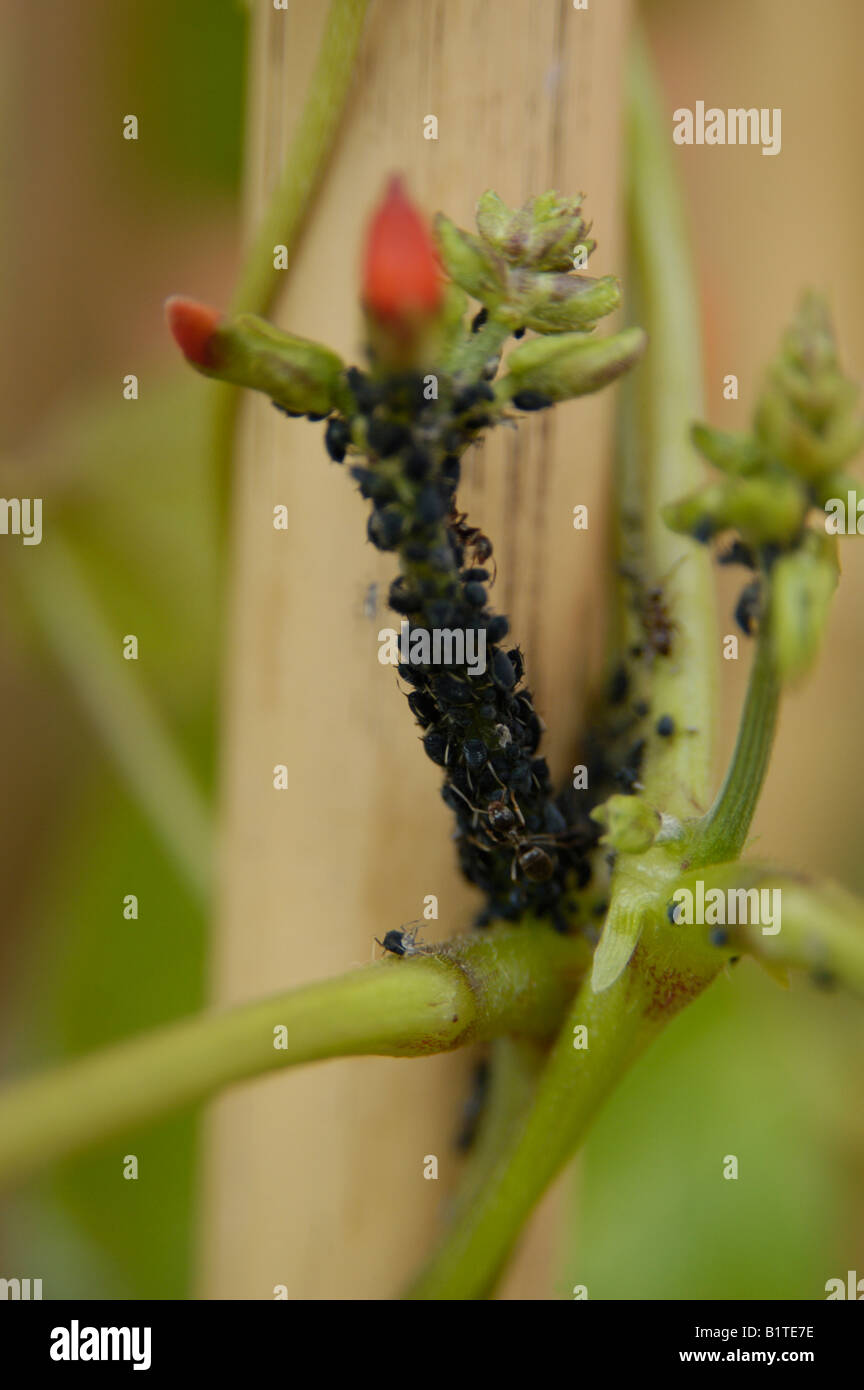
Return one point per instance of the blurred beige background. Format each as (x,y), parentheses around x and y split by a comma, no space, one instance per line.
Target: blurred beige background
(313,876)
(295,1180)
(764,228)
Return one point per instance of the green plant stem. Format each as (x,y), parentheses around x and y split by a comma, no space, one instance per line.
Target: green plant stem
(473,352)
(311,146)
(515,1065)
(575,1083)
(573,1087)
(111,692)
(506,980)
(822,924)
(723,832)
(654,463)
(668,387)
(292,201)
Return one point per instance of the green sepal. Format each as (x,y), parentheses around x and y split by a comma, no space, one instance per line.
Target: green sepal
(294,372)
(570,364)
(736,454)
(451,322)
(765,509)
(470,262)
(809,452)
(815,396)
(556,303)
(493,220)
(802,587)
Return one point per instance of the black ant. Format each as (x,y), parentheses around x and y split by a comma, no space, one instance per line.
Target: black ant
(506,825)
(653,614)
(472,538)
(658,626)
(400,942)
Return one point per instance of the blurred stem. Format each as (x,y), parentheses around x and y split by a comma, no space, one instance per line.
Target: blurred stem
(676,776)
(668,391)
(291,201)
(515,1065)
(472,352)
(112,694)
(306,160)
(655,463)
(573,1087)
(506,980)
(722,833)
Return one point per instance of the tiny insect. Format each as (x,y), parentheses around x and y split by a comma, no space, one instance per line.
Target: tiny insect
(505,825)
(653,614)
(749,607)
(657,624)
(473,539)
(370,602)
(400,942)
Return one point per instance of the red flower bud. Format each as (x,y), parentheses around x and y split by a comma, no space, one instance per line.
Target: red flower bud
(401,275)
(193,326)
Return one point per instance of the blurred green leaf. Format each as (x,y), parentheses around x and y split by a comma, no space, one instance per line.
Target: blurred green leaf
(136,506)
(745,1071)
(97,977)
(180,69)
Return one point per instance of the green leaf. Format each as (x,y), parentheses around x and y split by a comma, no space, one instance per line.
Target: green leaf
(619,940)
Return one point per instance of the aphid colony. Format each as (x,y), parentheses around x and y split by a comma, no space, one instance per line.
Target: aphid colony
(513,840)
(618,734)
(403,440)
(616,740)
(748,609)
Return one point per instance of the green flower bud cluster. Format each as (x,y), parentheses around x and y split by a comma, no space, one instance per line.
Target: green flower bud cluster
(806,415)
(520,267)
(805,431)
(544,234)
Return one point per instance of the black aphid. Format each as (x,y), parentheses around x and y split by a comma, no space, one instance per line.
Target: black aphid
(749,608)
(531,400)
(400,942)
(337,437)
